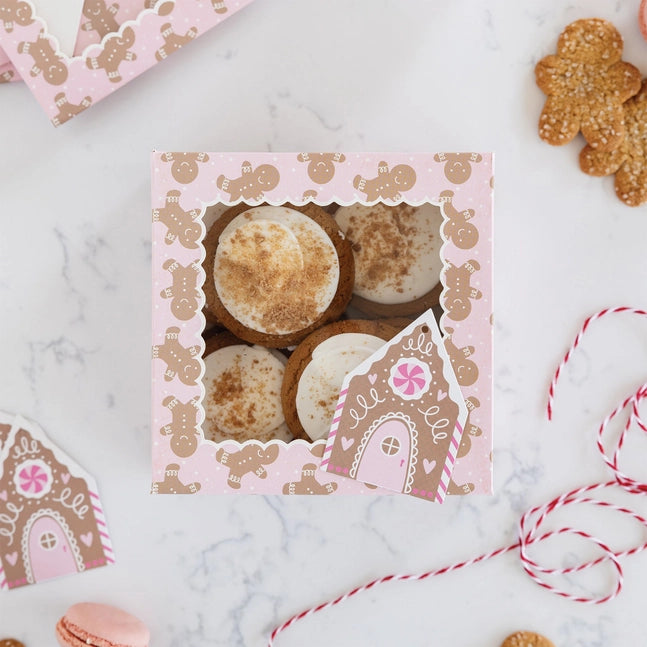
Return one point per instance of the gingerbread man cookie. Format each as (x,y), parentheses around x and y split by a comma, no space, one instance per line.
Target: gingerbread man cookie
(15,12)
(321,166)
(116,50)
(184,166)
(101,17)
(252,183)
(388,184)
(466,370)
(67,110)
(586,84)
(458,227)
(526,639)
(46,60)
(184,293)
(458,166)
(308,484)
(181,225)
(183,428)
(251,459)
(181,362)
(172,484)
(629,160)
(457,297)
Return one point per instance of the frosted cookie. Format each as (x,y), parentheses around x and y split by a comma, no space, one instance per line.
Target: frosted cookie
(397,257)
(316,369)
(526,639)
(242,384)
(275,274)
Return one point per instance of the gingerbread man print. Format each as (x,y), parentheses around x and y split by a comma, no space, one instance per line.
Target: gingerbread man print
(183,428)
(181,362)
(181,225)
(184,166)
(46,61)
(67,110)
(6,77)
(172,484)
(184,292)
(457,298)
(458,166)
(321,166)
(458,227)
(308,484)
(116,50)
(252,183)
(251,459)
(15,12)
(465,369)
(389,184)
(101,17)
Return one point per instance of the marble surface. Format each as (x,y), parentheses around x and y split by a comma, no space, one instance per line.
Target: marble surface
(75,342)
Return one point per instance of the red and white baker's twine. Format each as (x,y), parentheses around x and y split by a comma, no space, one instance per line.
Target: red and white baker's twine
(531,522)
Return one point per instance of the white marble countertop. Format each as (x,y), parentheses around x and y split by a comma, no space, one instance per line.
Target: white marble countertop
(75,342)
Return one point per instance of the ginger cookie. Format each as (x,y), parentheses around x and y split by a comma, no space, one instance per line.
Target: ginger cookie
(526,639)
(316,369)
(10,642)
(242,385)
(397,257)
(586,83)
(275,274)
(629,160)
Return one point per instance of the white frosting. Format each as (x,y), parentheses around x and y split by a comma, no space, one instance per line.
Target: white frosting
(284,251)
(249,380)
(322,378)
(375,233)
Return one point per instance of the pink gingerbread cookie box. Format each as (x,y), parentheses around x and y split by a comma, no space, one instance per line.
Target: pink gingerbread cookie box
(407,381)
(115,43)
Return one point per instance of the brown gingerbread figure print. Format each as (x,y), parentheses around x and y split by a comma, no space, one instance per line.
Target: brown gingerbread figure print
(172,484)
(15,12)
(457,227)
(116,50)
(6,77)
(308,484)
(389,184)
(181,225)
(46,61)
(629,160)
(252,183)
(184,293)
(101,17)
(67,110)
(219,6)
(465,369)
(458,166)
(173,42)
(185,166)
(251,459)
(457,298)
(471,430)
(321,166)
(181,362)
(183,428)
(454,489)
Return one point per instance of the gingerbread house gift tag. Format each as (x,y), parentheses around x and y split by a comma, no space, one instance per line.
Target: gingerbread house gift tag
(51,518)
(400,416)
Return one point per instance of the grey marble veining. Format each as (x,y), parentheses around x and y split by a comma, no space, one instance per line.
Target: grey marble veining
(75,340)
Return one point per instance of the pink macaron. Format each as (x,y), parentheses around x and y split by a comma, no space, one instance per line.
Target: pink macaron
(101,625)
(642,18)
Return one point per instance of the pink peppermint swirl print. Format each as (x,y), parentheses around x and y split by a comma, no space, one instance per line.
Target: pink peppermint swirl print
(33,479)
(410,378)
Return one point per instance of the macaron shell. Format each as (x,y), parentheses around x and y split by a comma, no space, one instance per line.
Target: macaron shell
(102,625)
